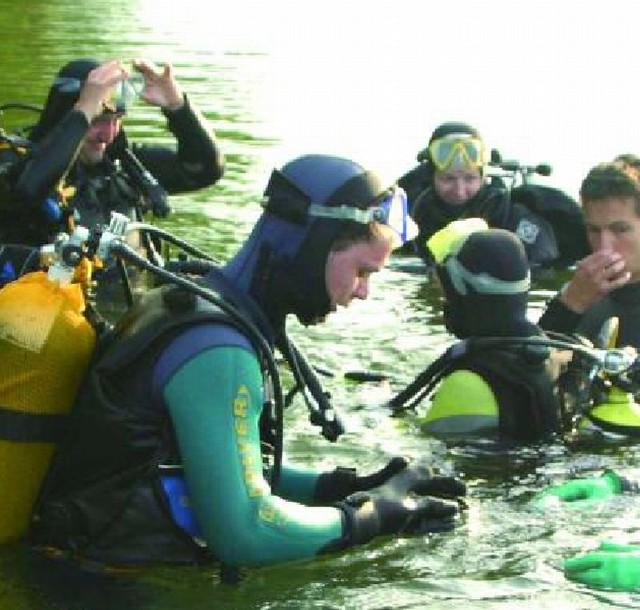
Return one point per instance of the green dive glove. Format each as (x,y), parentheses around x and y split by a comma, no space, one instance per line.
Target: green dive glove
(590,488)
(611,566)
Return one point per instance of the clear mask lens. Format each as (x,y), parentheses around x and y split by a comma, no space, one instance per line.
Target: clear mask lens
(126,92)
(394,212)
(67,84)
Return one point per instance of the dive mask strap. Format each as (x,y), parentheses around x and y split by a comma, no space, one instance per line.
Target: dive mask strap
(286,200)
(391,210)
(483,283)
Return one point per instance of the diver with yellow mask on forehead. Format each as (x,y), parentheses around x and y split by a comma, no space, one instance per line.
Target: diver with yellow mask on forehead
(451,184)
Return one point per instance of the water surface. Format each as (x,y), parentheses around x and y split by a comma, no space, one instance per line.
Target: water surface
(369,81)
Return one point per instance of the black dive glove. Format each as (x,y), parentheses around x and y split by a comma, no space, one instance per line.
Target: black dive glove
(404,504)
(339,483)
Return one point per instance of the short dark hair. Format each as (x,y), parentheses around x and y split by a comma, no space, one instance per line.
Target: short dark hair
(612,179)
(628,160)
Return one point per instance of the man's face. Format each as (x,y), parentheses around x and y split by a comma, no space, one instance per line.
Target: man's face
(457,186)
(102,132)
(613,225)
(348,271)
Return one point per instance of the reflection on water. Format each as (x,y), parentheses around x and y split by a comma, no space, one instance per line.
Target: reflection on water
(504,554)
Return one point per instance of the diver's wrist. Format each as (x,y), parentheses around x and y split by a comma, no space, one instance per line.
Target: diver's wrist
(571,303)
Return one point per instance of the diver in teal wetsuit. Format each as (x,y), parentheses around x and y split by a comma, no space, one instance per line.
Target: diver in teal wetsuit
(185,404)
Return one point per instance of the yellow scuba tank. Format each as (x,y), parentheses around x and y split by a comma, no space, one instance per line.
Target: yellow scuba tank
(45,347)
(463,404)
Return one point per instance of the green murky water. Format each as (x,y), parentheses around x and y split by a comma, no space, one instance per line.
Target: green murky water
(504,554)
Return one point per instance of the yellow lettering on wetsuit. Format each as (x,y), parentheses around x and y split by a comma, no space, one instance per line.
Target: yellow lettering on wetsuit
(272,514)
(241,402)
(252,479)
(252,471)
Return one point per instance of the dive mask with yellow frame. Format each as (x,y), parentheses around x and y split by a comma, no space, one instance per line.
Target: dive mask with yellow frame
(457,151)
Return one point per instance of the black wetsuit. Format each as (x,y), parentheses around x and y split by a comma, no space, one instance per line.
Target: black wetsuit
(523,387)
(494,205)
(415,181)
(107,186)
(623,303)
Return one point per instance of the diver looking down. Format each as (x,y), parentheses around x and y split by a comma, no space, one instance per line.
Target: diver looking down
(185,399)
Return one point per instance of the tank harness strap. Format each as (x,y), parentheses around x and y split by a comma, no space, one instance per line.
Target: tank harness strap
(20,426)
(177,307)
(426,381)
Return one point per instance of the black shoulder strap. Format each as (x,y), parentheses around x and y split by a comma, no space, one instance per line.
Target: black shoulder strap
(426,381)
(157,312)
(31,427)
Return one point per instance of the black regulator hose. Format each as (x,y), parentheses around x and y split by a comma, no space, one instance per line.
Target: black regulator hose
(615,362)
(170,238)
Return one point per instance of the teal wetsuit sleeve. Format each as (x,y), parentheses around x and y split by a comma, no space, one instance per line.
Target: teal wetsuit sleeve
(215,400)
(297,483)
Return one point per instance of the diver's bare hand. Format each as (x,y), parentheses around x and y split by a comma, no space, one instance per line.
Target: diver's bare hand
(98,87)
(596,275)
(160,86)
